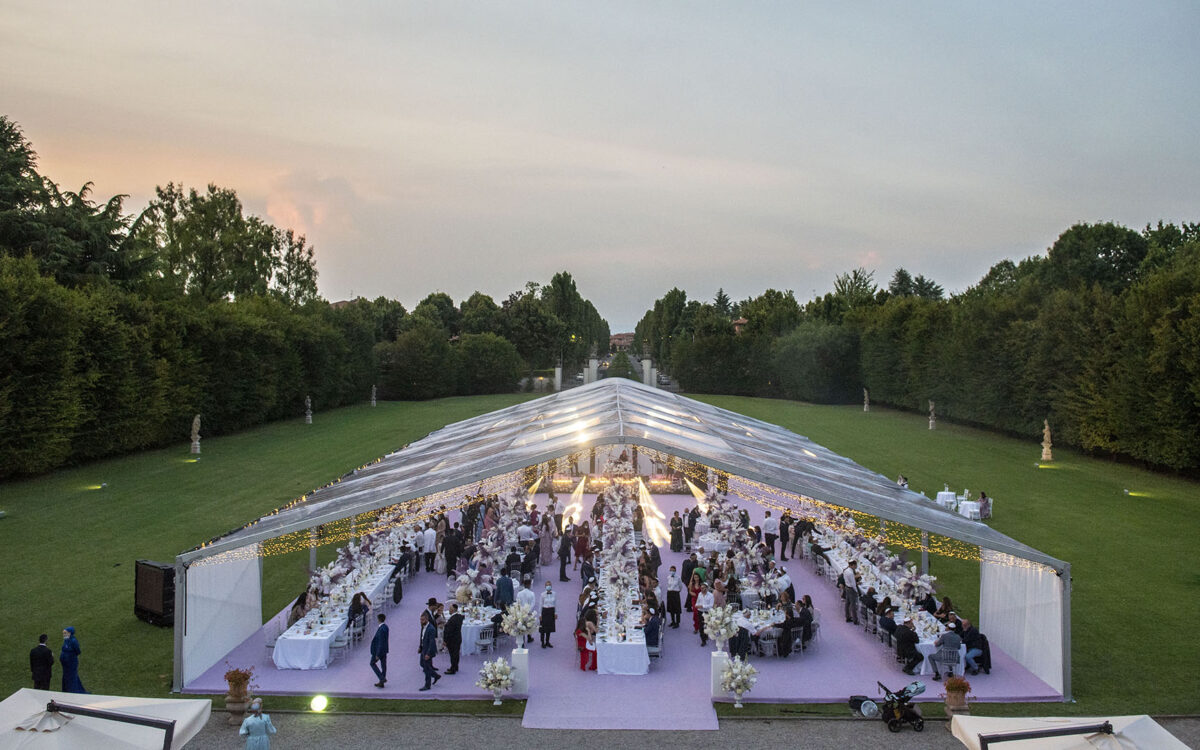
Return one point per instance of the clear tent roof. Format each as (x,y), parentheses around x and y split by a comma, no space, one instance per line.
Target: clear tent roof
(610,412)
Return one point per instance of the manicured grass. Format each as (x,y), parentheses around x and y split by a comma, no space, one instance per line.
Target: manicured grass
(67,551)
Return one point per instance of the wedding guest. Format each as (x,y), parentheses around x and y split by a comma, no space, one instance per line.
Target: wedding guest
(546,625)
(770,531)
(906,646)
(676,533)
(360,605)
(41,663)
(564,556)
(428,651)
(504,591)
(674,606)
(690,529)
(785,531)
(587,569)
(804,620)
(704,602)
(693,593)
(429,546)
(942,613)
(583,540)
(379,650)
(257,727)
(452,637)
(651,627)
(69,658)
(526,596)
(585,642)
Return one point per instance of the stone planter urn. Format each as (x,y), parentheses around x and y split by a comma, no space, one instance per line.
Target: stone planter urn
(238,696)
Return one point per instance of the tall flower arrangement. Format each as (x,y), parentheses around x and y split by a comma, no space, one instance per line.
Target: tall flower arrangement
(618,555)
(719,624)
(519,621)
(738,677)
(495,677)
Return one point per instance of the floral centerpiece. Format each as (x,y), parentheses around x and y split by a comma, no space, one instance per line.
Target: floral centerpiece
(719,625)
(496,677)
(519,621)
(738,677)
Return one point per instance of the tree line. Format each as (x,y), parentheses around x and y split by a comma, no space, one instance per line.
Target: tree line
(1100,335)
(115,329)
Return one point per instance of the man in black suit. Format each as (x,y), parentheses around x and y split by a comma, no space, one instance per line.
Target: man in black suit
(564,556)
(906,646)
(452,636)
(379,651)
(428,651)
(41,662)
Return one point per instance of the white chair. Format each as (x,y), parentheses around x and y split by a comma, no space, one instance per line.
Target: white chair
(339,647)
(486,640)
(768,642)
(271,634)
(816,635)
(948,658)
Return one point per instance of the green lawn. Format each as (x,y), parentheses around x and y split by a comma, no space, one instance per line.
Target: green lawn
(67,551)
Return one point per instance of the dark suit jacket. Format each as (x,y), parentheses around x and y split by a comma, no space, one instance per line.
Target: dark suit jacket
(504,590)
(906,641)
(41,660)
(651,630)
(379,644)
(452,631)
(429,641)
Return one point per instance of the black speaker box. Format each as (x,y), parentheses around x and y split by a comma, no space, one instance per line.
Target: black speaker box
(154,593)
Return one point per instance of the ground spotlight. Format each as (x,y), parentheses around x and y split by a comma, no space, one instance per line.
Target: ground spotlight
(319,703)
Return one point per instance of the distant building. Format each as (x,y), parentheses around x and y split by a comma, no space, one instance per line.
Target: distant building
(738,325)
(620,342)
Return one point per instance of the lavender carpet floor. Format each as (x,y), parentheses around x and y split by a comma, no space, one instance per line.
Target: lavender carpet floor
(675,695)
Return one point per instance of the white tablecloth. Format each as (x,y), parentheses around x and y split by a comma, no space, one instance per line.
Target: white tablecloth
(947,499)
(470,632)
(969,508)
(702,527)
(627,657)
(298,649)
(711,543)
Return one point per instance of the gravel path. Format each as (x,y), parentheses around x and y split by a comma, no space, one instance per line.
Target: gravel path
(368,731)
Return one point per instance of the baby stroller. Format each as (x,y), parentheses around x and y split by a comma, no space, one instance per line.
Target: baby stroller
(897,708)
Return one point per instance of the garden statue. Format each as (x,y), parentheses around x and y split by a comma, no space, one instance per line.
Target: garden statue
(307,410)
(1047,455)
(866,400)
(372,395)
(196,434)
(932,416)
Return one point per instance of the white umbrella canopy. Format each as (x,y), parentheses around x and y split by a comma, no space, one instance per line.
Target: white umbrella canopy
(1129,733)
(25,722)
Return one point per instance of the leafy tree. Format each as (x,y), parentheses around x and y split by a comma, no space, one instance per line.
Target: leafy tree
(1104,254)
(438,308)
(819,362)
(488,364)
(773,313)
(533,329)
(418,365)
(621,367)
(21,191)
(481,314)
(901,284)
(295,277)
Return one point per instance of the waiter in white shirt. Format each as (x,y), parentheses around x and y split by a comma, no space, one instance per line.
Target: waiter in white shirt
(529,599)
(770,527)
(850,592)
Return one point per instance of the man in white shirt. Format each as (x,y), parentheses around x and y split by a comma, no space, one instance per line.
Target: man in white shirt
(525,533)
(429,547)
(529,599)
(770,527)
(850,592)
(704,602)
(674,597)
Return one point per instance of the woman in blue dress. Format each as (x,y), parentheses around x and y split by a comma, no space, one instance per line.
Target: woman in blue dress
(69,658)
(257,727)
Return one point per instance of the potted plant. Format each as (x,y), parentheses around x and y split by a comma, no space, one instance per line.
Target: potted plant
(956,695)
(739,676)
(238,680)
(495,677)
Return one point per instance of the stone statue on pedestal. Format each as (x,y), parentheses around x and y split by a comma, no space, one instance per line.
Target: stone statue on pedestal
(866,400)
(372,395)
(1047,455)
(307,410)
(932,415)
(196,434)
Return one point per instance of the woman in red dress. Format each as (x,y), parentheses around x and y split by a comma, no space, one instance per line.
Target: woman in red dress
(586,643)
(583,540)
(693,592)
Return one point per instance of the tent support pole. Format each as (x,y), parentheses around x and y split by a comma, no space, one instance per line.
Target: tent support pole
(924,553)
(312,551)
(180,624)
(1066,634)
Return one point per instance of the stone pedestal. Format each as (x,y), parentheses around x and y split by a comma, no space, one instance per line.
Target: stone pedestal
(558,379)
(520,667)
(196,447)
(719,660)
(647,375)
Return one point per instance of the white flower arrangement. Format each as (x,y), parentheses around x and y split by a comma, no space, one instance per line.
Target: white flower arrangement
(519,621)
(719,624)
(738,677)
(495,675)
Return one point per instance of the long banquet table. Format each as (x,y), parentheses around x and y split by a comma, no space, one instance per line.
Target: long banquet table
(306,644)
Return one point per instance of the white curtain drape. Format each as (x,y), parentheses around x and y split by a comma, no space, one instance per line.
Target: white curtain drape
(1020,611)
(224,608)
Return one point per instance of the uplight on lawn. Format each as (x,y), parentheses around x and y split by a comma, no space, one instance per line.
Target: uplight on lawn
(319,703)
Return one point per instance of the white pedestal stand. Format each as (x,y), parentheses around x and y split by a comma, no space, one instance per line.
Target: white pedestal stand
(520,667)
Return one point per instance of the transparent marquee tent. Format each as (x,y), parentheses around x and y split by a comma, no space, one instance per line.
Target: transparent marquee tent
(1024,594)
